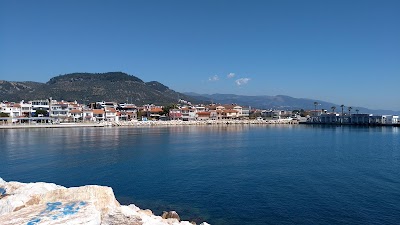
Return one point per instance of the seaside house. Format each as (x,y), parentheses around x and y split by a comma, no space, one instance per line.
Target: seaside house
(99,115)
(188,114)
(219,114)
(126,116)
(26,108)
(59,111)
(88,115)
(13,110)
(175,114)
(149,107)
(229,114)
(155,113)
(246,112)
(213,112)
(239,110)
(127,112)
(40,105)
(214,115)
(76,114)
(203,115)
(111,114)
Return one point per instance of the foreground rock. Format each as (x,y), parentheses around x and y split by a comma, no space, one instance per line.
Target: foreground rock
(47,204)
(170,215)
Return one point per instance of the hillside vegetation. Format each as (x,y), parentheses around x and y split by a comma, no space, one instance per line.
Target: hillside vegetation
(90,87)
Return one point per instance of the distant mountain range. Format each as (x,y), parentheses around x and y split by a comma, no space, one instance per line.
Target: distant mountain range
(91,87)
(279,102)
(121,87)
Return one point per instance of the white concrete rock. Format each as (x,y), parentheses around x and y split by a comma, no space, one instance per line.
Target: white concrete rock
(50,204)
(73,213)
(20,194)
(102,197)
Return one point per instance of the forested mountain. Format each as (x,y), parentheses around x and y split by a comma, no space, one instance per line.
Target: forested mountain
(90,87)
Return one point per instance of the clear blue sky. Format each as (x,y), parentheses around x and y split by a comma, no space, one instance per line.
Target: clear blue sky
(346,52)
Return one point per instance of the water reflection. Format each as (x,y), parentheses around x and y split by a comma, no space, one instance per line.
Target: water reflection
(220,170)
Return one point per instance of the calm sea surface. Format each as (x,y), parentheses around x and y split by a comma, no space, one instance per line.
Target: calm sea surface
(223,175)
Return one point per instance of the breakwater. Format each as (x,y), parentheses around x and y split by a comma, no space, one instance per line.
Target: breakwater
(199,122)
(151,123)
(47,203)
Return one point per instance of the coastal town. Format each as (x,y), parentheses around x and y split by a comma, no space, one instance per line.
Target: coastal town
(51,111)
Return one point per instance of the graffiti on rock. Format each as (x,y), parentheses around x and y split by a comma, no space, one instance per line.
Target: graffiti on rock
(57,210)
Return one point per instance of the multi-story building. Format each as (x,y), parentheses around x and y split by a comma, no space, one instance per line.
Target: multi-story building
(111,114)
(175,114)
(59,111)
(127,112)
(26,108)
(203,115)
(99,115)
(88,115)
(76,114)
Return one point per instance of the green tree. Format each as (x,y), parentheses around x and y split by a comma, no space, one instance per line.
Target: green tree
(4,114)
(141,114)
(42,112)
(255,114)
(167,108)
(303,113)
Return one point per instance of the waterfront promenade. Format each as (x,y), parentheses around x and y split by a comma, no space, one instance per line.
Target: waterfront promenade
(151,123)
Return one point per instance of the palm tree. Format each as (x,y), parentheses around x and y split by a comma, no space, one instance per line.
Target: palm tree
(349,108)
(357,110)
(342,106)
(333,108)
(341,118)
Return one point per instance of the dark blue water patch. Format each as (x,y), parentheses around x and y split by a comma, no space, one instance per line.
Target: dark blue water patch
(226,174)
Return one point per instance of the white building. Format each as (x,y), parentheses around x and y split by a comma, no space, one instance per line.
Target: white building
(389,119)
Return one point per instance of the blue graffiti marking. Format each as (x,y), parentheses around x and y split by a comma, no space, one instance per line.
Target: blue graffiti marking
(56,210)
(81,204)
(2,191)
(69,209)
(33,221)
(51,206)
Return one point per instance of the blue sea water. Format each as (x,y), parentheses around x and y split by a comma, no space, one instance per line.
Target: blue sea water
(289,174)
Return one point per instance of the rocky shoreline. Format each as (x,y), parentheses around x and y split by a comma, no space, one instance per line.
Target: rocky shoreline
(198,122)
(49,204)
(152,123)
